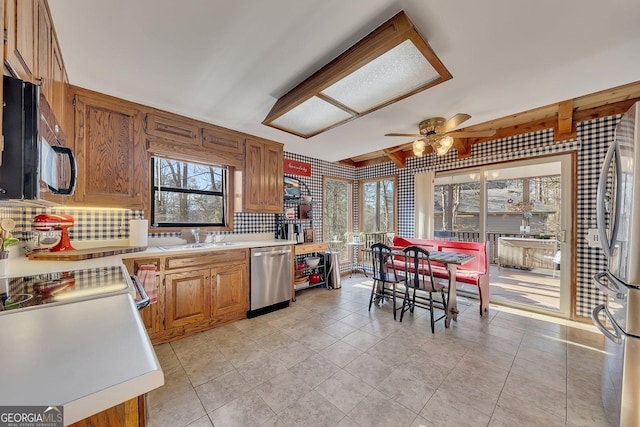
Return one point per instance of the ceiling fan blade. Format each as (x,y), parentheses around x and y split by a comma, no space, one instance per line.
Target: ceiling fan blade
(453,123)
(472,133)
(410,135)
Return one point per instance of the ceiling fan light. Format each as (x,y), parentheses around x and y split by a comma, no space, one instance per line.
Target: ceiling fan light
(418,147)
(441,150)
(446,141)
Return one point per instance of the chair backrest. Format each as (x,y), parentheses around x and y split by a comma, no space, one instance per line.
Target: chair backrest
(417,265)
(379,256)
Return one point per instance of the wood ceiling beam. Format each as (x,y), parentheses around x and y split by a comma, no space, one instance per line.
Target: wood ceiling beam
(398,158)
(347,162)
(463,146)
(565,129)
(558,116)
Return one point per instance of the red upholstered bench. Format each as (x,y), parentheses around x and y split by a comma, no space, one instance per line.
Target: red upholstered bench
(475,272)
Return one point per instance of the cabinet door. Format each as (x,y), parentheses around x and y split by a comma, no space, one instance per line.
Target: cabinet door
(187,297)
(273,192)
(130,413)
(57,84)
(253,176)
(19,54)
(152,315)
(43,50)
(112,166)
(230,289)
(215,138)
(263,177)
(172,128)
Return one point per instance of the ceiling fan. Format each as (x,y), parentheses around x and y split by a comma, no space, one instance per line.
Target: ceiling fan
(439,134)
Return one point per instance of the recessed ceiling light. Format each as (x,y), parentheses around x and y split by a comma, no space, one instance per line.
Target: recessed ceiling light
(389,64)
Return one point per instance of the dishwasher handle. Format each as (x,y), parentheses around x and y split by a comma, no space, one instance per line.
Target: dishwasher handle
(144,297)
(271,253)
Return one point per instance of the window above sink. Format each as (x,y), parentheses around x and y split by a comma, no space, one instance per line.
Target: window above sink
(188,194)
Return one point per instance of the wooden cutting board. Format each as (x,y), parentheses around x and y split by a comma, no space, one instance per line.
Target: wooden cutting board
(82,254)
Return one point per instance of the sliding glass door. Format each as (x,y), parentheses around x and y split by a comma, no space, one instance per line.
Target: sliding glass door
(524,211)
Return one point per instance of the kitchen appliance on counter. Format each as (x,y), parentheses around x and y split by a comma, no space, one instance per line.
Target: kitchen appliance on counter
(618,221)
(28,292)
(35,160)
(55,222)
(271,269)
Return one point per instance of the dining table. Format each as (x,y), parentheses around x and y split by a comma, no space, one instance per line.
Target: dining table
(451,261)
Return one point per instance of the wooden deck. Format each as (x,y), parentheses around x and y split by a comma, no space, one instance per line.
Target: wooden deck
(536,288)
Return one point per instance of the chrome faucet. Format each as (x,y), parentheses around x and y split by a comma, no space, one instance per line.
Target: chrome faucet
(196,236)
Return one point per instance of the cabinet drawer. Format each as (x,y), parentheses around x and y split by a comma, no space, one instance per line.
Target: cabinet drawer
(205,259)
(172,129)
(308,248)
(222,140)
(133,264)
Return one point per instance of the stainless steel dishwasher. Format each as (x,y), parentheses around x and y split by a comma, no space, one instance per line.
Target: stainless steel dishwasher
(270,279)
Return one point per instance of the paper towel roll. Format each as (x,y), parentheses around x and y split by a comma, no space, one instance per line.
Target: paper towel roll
(138,229)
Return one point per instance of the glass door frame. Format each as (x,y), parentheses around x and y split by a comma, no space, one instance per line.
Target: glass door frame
(566,235)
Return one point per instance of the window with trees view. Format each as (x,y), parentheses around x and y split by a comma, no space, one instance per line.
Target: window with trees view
(337,216)
(186,194)
(378,204)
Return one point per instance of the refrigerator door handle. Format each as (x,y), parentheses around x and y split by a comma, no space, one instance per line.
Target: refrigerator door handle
(617,337)
(614,289)
(607,242)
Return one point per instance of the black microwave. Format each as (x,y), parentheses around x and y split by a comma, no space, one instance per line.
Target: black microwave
(35,159)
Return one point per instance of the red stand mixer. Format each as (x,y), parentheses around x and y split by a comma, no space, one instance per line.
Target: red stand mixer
(58,222)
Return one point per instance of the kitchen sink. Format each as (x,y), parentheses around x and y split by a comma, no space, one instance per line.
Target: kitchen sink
(196,246)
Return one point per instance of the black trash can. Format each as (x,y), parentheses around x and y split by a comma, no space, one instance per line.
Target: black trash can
(333,269)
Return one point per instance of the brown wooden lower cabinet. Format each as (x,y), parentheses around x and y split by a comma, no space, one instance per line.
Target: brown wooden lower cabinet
(131,413)
(195,293)
(187,297)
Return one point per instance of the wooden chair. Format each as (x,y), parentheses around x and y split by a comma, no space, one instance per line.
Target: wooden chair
(420,278)
(385,278)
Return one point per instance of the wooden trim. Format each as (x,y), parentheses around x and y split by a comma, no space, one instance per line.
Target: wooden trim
(605,103)
(351,200)
(384,38)
(179,151)
(566,126)
(361,184)
(398,158)
(574,225)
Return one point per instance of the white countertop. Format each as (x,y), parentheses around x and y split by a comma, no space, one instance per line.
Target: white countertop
(207,247)
(87,356)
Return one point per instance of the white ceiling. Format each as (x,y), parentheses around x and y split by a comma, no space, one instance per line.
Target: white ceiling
(227,61)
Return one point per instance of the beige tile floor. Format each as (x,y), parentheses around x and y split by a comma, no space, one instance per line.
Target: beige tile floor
(327,361)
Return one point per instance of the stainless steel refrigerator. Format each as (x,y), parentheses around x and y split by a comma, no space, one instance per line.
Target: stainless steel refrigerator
(618,219)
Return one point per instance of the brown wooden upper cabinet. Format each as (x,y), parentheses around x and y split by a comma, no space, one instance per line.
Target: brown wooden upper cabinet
(112,160)
(20,43)
(263,185)
(173,128)
(220,139)
(33,54)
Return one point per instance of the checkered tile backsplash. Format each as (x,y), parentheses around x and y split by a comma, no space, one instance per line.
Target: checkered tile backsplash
(591,145)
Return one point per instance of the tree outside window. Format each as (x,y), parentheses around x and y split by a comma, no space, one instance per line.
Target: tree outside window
(378,207)
(187,193)
(337,218)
